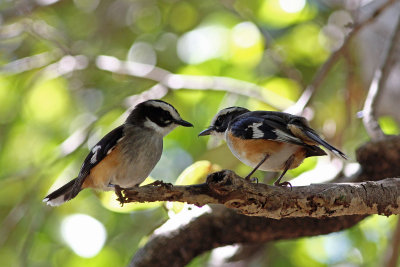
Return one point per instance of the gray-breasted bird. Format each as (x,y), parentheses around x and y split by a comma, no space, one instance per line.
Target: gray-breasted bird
(125,156)
(268,140)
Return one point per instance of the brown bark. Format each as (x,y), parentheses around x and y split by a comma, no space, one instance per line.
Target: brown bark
(378,159)
(225,227)
(317,200)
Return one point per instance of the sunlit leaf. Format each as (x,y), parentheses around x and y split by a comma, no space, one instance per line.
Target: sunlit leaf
(284,87)
(389,125)
(109,201)
(196,173)
(306,51)
(183,16)
(282,13)
(47,101)
(307,165)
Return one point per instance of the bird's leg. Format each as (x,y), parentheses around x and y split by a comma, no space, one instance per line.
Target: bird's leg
(256,167)
(288,163)
(118,192)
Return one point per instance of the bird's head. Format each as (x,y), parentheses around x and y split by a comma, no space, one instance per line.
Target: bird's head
(156,115)
(221,120)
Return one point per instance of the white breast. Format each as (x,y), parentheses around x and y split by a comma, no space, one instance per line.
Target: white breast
(277,160)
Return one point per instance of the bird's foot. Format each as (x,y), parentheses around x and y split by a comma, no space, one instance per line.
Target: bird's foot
(121,198)
(251,179)
(283,184)
(161,183)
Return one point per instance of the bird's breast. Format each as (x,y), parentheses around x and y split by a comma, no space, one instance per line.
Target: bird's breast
(129,164)
(252,151)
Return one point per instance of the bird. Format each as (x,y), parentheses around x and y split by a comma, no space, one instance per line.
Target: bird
(268,140)
(125,156)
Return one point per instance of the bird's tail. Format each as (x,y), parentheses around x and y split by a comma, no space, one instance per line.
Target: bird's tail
(320,141)
(63,194)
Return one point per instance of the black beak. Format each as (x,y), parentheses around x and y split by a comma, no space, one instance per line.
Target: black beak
(184,123)
(206,132)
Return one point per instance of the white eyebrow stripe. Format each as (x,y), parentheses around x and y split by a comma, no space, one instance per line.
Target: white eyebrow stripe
(168,108)
(222,113)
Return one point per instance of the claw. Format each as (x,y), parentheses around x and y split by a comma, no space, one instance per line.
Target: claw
(161,183)
(254,179)
(284,184)
(118,192)
(251,179)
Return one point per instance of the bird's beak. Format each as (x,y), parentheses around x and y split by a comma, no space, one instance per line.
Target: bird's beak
(206,132)
(184,123)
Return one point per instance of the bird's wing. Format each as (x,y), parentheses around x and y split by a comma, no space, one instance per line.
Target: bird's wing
(97,154)
(267,125)
(282,127)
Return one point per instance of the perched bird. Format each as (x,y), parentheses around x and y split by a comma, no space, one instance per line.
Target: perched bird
(268,140)
(125,156)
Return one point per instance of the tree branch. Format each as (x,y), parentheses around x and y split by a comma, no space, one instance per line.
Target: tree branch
(378,85)
(317,200)
(226,227)
(334,57)
(379,159)
(167,79)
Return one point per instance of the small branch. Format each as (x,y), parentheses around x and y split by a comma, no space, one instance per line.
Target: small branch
(317,200)
(24,8)
(319,77)
(194,82)
(378,85)
(226,227)
(379,159)
(30,63)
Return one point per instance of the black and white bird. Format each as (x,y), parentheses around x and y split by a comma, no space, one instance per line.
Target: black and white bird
(125,156)
(268,140)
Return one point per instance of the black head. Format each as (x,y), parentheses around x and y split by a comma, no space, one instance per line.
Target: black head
(220,122)
(157,115)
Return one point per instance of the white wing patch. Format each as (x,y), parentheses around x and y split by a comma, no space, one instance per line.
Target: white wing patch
(282,136)
(257,133)
(93,159)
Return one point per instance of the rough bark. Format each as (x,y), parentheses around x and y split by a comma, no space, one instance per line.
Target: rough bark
(317,200)
(225,227)
(379,160)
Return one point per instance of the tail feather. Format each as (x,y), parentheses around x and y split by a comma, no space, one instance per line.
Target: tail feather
(62,194)
(320,141)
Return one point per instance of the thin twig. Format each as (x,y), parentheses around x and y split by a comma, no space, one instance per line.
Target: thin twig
(24,8)
(319,77)
(378,85)
(180,81)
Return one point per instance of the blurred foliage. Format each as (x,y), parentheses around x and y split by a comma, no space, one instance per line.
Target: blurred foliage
(55,103)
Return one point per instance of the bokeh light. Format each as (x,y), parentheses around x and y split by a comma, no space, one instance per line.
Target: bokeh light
(292,6)
(84,234)
(141,52)
(203,43)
